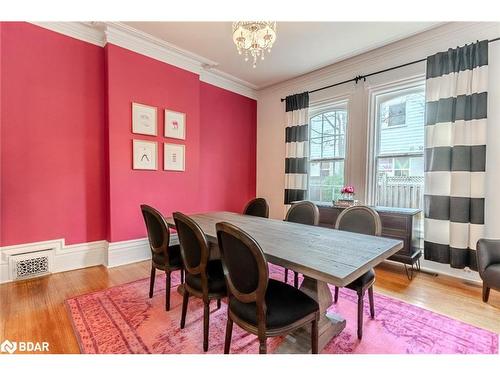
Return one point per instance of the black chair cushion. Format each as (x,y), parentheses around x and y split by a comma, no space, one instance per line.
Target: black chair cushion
(174,256)
(491,275)
(216,282)
(285,305)
(362,281)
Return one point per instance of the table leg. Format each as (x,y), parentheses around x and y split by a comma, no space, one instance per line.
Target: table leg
(330,324)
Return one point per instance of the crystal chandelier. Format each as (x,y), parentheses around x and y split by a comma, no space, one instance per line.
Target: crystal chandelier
(253,38)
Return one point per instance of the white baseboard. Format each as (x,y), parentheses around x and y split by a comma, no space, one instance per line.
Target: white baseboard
(66,257)
(83,255)
(445,269)
(131,251)
(113,254)
(88,254)
(125,252)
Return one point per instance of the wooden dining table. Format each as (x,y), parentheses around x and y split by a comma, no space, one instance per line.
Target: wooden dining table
(323,255)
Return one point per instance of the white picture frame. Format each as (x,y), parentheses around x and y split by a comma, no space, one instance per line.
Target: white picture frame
(144,119)
(175,124)
(145,155)
(174,157)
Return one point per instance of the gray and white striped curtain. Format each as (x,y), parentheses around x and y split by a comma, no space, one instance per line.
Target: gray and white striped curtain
(455,154)
(296,138)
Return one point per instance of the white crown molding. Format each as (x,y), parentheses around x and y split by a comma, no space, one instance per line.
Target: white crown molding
(389,55)
(132,39)
(101,33)
(145,44)
(223,80)
(78,30)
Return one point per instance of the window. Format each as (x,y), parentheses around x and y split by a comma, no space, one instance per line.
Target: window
(399,150)
(327,152)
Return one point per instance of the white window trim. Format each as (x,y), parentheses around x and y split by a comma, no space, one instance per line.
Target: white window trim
(373,134)
(323,106)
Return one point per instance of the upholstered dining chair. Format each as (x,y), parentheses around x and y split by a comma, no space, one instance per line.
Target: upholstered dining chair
(364,220)
(304,212)
(488,264)
(204,277)
(257,207)
(259,305)
(163,256)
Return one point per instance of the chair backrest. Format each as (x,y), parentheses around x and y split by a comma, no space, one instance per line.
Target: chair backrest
(257,207)
(158,233)
(360,219)
(245,266)
(193,243)
(304,212)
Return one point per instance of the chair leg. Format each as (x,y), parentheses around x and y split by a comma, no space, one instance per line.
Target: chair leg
(360,315)
(152,281)
(314,337)
(295,279)
(336,295)
(486,292)
(286,275)
(182,276)
(409,274)
(218,303)
(185,301)
(206,320)
(372,305)
(229,333)
(167,291)
(262,346)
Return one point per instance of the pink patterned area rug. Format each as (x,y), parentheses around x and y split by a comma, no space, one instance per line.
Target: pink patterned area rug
(123,319)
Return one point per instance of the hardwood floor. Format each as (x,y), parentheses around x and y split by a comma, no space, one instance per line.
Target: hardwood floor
(34,310)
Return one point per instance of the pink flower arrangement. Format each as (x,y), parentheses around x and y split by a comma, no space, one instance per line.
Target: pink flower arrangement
(347,189)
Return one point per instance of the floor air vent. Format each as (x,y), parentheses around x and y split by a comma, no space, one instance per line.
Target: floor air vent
(24,266)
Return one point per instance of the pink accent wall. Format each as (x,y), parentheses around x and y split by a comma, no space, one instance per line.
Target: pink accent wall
(52,137)
(66,140)
(220,143)
(136,78)
(228,150)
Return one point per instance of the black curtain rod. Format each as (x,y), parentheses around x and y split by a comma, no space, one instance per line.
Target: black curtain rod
(361,77)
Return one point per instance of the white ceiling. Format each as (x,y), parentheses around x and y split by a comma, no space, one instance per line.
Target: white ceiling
(300,47)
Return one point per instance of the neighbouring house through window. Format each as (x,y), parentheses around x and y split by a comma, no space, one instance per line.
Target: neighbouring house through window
(327,148)
(399,147)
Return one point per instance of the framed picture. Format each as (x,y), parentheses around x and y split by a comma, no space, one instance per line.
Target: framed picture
(144,119)
(174,157)
(175,124)
(145,155)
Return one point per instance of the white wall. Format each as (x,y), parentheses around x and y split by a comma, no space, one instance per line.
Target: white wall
(271,118)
